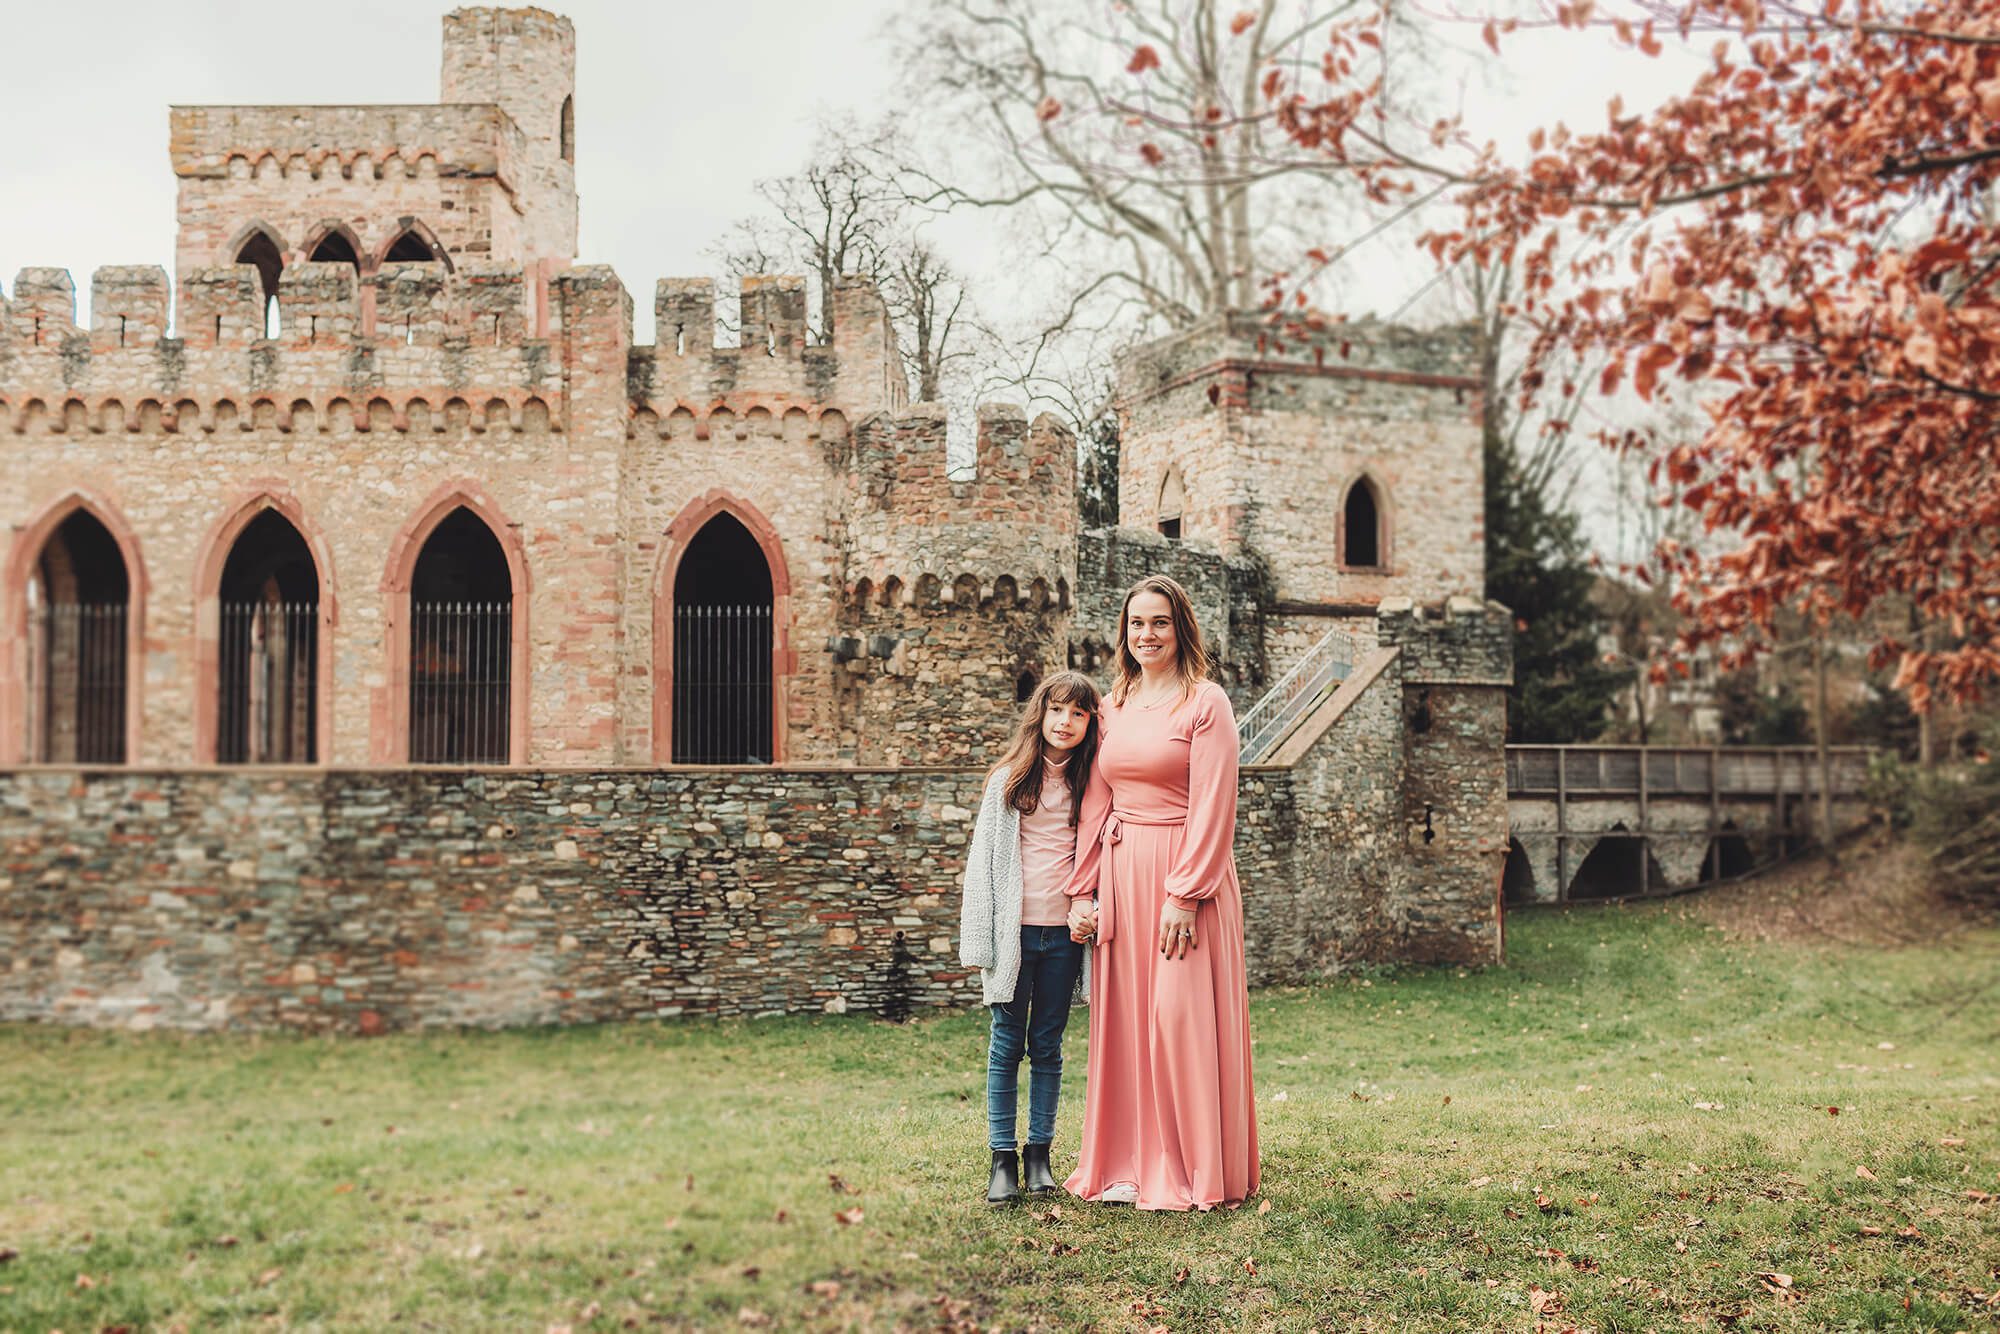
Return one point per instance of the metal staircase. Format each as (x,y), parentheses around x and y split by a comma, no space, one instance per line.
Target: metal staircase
(1265,724)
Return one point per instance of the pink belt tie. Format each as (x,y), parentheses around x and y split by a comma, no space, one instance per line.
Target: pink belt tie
(1114,832)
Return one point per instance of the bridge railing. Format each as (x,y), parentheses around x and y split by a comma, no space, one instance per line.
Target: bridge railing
(1535,770)
(1601,809)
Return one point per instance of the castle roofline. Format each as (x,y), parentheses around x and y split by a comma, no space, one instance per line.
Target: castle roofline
(461,138)
(1241,343)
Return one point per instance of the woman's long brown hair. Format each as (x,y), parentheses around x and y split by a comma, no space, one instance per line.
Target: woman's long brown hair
(1192,663)
(1025,762)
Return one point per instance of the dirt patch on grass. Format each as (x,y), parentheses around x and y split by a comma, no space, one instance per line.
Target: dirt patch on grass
(1874,894)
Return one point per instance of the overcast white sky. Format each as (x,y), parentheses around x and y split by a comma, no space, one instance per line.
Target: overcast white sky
(681,108)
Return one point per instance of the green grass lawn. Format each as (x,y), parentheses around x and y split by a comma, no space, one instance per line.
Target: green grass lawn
(1619,1130)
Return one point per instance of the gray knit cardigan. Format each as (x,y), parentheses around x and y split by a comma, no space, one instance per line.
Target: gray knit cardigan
(989,918)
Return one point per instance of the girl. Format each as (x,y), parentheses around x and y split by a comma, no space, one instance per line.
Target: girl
(1169,1118)
(1013,925)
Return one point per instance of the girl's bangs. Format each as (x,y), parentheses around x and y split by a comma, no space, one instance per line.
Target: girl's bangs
(1073,688)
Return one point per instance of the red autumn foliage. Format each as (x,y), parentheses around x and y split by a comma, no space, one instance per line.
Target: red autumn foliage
(1806,243)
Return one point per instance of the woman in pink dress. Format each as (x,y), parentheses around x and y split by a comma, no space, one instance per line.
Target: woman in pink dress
(1169,1117)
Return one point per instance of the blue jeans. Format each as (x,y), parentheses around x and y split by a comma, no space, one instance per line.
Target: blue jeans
(1033,1023)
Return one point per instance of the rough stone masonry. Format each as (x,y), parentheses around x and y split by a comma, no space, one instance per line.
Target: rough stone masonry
(377,495)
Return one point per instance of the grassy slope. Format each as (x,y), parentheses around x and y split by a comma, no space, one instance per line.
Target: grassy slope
(678,1173)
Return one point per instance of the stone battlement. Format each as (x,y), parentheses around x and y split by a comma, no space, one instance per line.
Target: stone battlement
(410,335)
(353,143)
(772,364)
(1460,641)
(912,519)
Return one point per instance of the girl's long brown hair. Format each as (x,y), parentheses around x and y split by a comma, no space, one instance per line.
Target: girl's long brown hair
(1025,762)
(1192,664)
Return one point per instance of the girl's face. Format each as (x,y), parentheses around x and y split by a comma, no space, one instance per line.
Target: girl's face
(1064,726)
(1149,631)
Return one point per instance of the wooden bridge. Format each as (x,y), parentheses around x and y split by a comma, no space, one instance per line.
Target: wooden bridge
(1603,822)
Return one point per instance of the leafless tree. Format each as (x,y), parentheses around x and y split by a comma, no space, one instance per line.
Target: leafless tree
(843,214)
(1143,139)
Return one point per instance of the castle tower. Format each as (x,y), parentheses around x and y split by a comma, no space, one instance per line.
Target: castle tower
(483,177)
(524,62)
(1350,465)
(958,586)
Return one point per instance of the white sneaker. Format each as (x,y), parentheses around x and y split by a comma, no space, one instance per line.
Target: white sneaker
(1119,1192)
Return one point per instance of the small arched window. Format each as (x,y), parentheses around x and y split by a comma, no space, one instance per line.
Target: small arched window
(568,131)
(1024,685)
(410,248)
(1361,536)
(336,247)
(1172,501)
(262,252)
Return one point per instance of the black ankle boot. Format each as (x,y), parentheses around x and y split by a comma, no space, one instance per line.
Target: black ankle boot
(1005,1185)
(1035,1166)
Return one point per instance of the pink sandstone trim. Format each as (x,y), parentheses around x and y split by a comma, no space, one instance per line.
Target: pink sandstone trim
(212,556)
(389,708)
(784,662)
(21,558)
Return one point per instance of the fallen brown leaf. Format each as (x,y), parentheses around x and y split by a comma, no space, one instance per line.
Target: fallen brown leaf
(85,1281)
(590,1312)
(1773,1279)
(1180,1275)
(752,1317)
(1264,1208)
(1870,1230)
(782,1216)
(849,1215)
(268,1277)
(1543,1302)
(344,1188)
(1250,1265)
(1866,1175)
(824,1287)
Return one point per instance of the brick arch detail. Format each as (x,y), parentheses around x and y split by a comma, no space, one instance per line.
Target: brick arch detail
(333,227)
(210,559)
(389,711)
(423,232)
(21,557)
(1385,523)
(784,659)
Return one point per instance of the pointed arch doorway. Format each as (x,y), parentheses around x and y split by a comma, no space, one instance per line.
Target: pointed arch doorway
(721,639)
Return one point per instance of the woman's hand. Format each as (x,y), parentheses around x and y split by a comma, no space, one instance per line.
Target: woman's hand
(1176,930)
(1082,919)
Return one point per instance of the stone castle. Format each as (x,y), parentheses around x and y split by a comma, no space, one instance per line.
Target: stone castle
(395,487)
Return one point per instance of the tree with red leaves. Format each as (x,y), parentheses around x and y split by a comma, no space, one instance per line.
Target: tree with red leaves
(1807,243)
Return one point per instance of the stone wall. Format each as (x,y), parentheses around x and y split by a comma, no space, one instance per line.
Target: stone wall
(359,900)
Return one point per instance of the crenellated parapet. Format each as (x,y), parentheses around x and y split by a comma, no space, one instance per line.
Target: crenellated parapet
(1460,640)
(774,365)
(411,346)
(1003,531)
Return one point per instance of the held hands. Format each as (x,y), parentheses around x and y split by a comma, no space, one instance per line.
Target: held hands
(1082,919)
(1176,930)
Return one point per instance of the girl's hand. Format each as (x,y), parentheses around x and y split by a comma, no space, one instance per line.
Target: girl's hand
(1176,930)
(1082,920)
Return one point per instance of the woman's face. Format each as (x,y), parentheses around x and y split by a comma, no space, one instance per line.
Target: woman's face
(1064,726)
(1149,631)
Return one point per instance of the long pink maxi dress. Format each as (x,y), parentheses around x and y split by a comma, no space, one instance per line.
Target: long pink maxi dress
(1170,1118)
